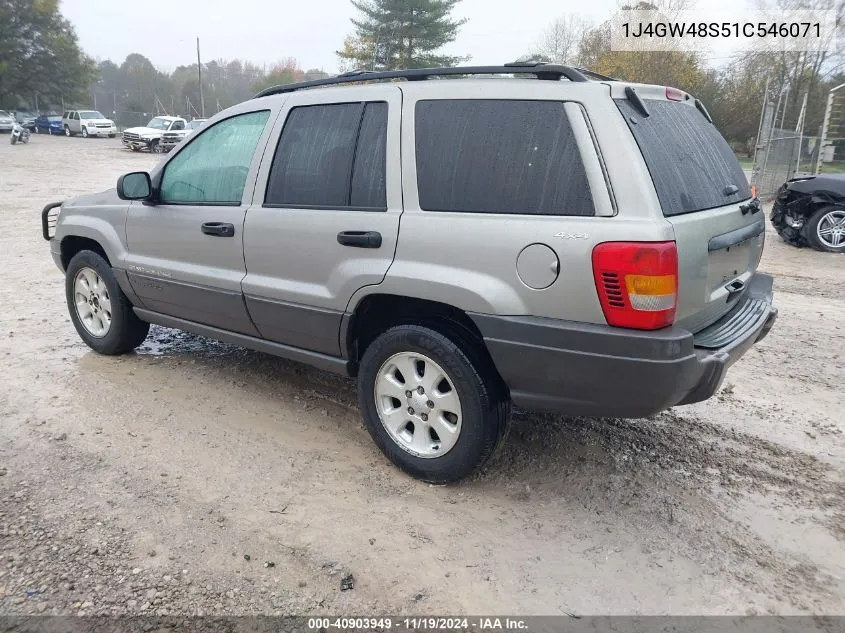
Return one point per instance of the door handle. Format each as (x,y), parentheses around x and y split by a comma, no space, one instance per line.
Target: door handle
(360,239)
(220,229)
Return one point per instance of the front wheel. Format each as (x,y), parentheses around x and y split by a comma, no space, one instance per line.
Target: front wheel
(85,132)
(101,313)
(435,408)
(826,229)
(155,147)
(37,130)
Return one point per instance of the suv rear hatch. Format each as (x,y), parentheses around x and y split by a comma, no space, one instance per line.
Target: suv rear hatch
(704,195)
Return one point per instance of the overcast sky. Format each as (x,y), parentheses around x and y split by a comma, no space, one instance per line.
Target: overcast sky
(264,31)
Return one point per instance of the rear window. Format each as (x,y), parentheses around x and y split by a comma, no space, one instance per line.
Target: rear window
(499,156)
(692,166)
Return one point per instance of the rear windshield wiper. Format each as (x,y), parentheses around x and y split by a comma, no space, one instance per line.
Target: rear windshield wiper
(637,101)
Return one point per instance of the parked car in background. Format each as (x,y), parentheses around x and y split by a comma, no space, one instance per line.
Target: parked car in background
(49,124)
(7,121)
(149,136)
(172,138)
(87,123)
(810,211)
(25,119)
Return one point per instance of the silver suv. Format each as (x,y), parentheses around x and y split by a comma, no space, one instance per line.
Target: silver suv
(560,241)
(87,123)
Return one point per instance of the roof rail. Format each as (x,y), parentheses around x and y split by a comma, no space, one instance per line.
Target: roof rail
(540,70)
(594,75)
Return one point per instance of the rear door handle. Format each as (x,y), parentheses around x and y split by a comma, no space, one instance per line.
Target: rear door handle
(220,229)
(360,239)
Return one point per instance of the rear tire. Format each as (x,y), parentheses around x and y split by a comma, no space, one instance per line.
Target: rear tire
(469,402)
(826,229)
(101,313)
(68,133)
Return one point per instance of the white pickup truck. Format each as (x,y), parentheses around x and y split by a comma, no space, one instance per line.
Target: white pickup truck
(173,137)
(149,136)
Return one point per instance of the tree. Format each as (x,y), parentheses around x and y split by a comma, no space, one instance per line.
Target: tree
(680,69)
(40,58)
(561,42)
(287,71)
(393,34)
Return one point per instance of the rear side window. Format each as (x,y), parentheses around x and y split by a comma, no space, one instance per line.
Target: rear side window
(499,156)
(692,166)
(331,156)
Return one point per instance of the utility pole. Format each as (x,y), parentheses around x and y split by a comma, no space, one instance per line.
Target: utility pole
(199,78)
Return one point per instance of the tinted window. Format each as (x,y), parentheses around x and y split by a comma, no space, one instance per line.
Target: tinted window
(313,164)
(368,173)
(689,161)
(214,166)
(493,156)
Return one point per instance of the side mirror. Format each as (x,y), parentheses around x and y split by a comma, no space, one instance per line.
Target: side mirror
(134,186)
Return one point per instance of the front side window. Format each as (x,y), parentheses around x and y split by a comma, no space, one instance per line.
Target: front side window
(331,156)
(212,169)
(499,156)
(76,116)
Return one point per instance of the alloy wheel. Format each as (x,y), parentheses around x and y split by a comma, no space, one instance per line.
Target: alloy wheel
(418,404)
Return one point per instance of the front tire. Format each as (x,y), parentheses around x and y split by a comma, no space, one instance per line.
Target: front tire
(433,406)
(85,132)
(826,229)
(155,147)
(101,313)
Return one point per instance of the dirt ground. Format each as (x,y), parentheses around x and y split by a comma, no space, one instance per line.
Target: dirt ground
(142,484)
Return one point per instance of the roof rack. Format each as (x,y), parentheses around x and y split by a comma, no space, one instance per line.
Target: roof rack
(594,75)
(540,70)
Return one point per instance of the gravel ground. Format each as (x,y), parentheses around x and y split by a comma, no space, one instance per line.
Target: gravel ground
(199,478)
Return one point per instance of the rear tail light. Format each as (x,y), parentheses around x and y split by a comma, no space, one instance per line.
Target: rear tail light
(637,283)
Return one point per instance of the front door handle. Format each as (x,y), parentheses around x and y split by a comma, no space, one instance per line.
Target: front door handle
(360,239)
(220,229)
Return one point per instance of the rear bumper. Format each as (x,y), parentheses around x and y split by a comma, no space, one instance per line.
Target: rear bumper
(596,370)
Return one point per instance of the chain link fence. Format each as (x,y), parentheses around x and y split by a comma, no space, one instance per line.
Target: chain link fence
(780,157)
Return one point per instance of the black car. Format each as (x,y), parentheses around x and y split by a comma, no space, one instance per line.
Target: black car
(810,211)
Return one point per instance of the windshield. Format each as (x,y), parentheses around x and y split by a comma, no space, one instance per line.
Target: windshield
(4,113)
(54,118)
(91,114)
(159,124)
(692,166)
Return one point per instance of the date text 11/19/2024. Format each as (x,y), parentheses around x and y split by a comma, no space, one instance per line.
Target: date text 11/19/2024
(416,624)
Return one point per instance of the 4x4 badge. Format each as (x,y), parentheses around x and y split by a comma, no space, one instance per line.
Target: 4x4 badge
(572,236)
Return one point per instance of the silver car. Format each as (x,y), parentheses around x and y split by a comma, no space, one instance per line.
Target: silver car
(560,241)
(7,121)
